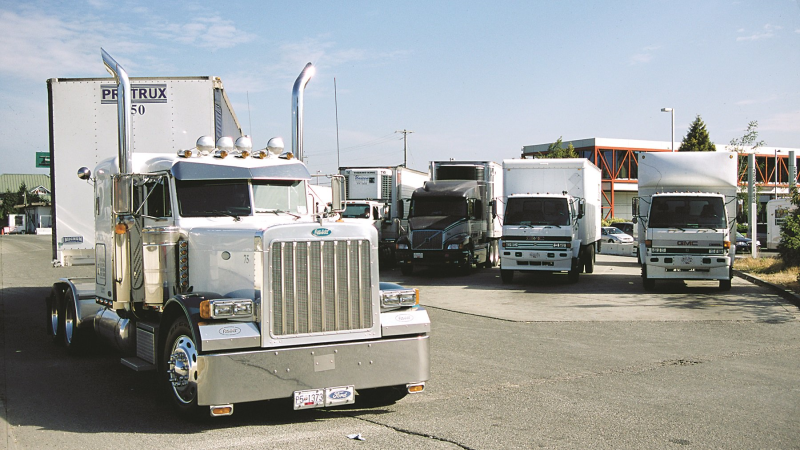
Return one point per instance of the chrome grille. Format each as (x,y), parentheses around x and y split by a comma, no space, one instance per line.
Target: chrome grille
(320,286)
(426,240)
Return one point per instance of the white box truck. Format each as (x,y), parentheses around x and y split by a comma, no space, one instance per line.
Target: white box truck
(453,218)
(213,270)
(381,196)
(686,214)
(778,210)
(552,215)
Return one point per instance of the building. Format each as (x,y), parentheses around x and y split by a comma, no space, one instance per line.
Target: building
(34,217)
(618,160)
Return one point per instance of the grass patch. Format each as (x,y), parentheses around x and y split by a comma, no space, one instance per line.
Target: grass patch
(772,270)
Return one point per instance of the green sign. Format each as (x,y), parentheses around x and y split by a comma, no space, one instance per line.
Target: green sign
(42,159)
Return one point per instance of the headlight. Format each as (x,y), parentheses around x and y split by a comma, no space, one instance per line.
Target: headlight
(399,298)
(453,246)
(402,246)
(226,308)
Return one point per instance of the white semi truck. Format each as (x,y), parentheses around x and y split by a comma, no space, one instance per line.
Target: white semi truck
(552,216)
(212,270)
(381,196)
(686,214)
(453,219)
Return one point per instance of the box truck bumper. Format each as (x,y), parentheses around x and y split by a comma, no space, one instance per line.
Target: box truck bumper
(277,373)
(689,267)
(456,258)
(544,260)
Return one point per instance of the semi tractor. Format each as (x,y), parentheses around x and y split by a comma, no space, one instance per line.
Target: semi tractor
(552,216)
(453,219)
(381,196)
(213,270)
(686,214)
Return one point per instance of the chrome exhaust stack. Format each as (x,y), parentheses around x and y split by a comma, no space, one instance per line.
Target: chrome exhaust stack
(297,109)
(123,110)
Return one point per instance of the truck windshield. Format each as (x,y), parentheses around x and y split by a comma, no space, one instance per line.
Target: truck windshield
(537,211)
(279,196)
(438,206)
(687,212)
(356,212)
(213,198)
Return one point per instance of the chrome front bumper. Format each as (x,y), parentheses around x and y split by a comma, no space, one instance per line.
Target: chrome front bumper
(277,373)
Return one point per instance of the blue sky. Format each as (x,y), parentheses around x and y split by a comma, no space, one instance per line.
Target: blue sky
(473,80)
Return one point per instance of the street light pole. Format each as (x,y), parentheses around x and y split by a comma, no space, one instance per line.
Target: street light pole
(671,110)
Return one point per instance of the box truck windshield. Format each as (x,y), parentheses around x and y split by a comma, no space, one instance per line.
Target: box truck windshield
(687,212)
(537,211)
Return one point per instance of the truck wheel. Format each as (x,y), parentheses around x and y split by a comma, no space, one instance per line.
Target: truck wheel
(382,396)
(494,259)
(648,283)
(406,269)
(589,258)
(572,275)
(725,285)
(506,275)
(466,269)
(179,369)
(72,338)
(53,316)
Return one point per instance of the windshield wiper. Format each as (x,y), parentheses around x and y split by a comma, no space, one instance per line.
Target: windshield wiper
(236,217)
(277,212)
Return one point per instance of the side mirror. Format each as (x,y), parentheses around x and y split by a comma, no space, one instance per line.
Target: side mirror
(401,209)
(123,194)
(581,208)
(84,173)
(739,207)
(494,208)
(337,193)
(635,207)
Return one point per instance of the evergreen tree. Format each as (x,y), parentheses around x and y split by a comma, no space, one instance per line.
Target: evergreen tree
(697,140)
(557,150)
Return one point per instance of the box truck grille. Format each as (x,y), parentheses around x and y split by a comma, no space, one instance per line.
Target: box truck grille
(426,240)
(320,286)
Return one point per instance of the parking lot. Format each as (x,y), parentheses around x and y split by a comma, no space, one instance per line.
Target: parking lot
(537,363)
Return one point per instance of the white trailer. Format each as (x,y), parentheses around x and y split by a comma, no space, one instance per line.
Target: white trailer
(686,214)
(381,195)
(778,210)
(213,270)
(167,114)
(552,216)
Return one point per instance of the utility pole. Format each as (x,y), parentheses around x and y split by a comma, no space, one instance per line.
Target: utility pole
(405,145)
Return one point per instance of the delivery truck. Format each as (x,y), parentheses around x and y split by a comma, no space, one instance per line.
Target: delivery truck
(551,220)
(686,214)
(212,269)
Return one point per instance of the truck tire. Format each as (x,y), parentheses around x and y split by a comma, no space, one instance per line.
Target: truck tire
(494,249)
(382,396)
(179,370)
(589,259)
(648,283)
(506,275)
(574,273)
(73,339)
(466,269)
(725,285)
(406,269)
(53,315)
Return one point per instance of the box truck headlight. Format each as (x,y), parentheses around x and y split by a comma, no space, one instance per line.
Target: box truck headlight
(562,245)
(226,308)
(399,298)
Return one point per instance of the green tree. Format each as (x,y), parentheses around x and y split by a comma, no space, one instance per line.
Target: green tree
(557,150)
(697,140)
(789,247)
(9,200)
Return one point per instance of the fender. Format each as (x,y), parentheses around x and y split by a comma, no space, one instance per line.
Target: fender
(187,305)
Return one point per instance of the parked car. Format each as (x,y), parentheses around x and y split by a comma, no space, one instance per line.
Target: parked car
(743,243)
(628,228)
(615,235)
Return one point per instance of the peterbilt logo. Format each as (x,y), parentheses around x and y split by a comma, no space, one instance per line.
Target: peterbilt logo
(140,93)
(687,242)
(404,318)
(230,331)
(320,232)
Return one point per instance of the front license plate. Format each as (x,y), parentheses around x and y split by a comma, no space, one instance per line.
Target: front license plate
(311,398)
(418,255)
(319,398)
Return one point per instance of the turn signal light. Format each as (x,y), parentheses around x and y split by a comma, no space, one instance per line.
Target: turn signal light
(120,228)
(415,388)
(221,410)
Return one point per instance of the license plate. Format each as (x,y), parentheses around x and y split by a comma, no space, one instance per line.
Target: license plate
(320,398)
(418,255)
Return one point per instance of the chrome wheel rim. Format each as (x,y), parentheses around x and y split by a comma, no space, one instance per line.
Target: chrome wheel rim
(183,369)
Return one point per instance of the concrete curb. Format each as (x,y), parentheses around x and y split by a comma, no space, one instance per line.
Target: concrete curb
(785,293)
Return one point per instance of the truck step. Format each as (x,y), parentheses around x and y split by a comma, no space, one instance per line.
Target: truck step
(137,364)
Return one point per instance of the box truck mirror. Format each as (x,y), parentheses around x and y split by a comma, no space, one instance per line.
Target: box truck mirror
(581,208)
(635,207)
(123,194)
(337,193)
